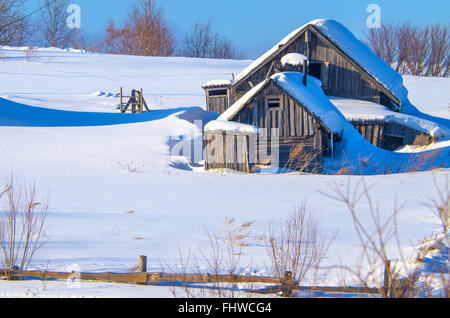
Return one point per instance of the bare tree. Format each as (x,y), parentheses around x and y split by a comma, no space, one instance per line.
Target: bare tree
(199,41)
(53,25)
(439,51)
(147,33)
(418,49)
(382,41)
(402,32)
(296,245)
(13,23)
(379,236)
(203,42)
(414,50)
(224,49)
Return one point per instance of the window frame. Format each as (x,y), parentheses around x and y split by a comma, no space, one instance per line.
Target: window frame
(216,90)
(268,98)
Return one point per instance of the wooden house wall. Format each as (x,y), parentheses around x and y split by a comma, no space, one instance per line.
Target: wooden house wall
(295,125)
(339,77)
(373,132)
(226,151)
(268,69)
(290,119)
(217,104)
(342,78)
(390,135)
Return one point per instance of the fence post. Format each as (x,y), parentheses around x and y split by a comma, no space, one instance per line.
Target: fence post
(121,100)
(142,267)
(141,103)
(387,278)
(287,283)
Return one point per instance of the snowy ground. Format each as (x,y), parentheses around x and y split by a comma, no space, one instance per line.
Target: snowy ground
(115,194)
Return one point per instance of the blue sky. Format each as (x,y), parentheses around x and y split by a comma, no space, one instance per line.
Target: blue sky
(257,25)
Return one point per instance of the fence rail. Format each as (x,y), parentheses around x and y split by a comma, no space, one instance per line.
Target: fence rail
(158,277)
(285,285)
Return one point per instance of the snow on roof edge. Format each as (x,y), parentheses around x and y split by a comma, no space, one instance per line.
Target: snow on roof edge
(217,83)
(312,98)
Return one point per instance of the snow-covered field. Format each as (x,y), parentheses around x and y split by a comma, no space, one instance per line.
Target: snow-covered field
(116,193)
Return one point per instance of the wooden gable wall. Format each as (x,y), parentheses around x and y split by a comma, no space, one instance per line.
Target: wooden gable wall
(296,128)
(340,76)
(291,118)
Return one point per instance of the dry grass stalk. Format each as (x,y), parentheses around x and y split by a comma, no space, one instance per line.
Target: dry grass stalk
(21,226)
(300,159)
(295,245)
(223,258)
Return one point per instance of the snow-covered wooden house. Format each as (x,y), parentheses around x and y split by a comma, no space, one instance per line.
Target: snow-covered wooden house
(317,80)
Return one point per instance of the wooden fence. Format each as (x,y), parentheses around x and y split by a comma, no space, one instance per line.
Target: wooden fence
(135,100)
(285,285)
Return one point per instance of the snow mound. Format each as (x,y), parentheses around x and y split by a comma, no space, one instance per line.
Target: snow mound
(16,114)
(294,59)
(105,94)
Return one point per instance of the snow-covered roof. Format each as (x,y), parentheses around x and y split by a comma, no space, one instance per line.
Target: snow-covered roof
(341,37)
(359,110)
(217,83)
(311,97)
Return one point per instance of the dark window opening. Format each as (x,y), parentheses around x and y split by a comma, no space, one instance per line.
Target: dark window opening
(218,92)
(386,101)
(273,102)
(392,142)
(315,69)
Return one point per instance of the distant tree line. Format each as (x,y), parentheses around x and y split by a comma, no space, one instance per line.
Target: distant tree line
(412,49)
(145,32)
(14,26)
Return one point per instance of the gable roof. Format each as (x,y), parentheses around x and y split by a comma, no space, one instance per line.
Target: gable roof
(311,97)
(345,41)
